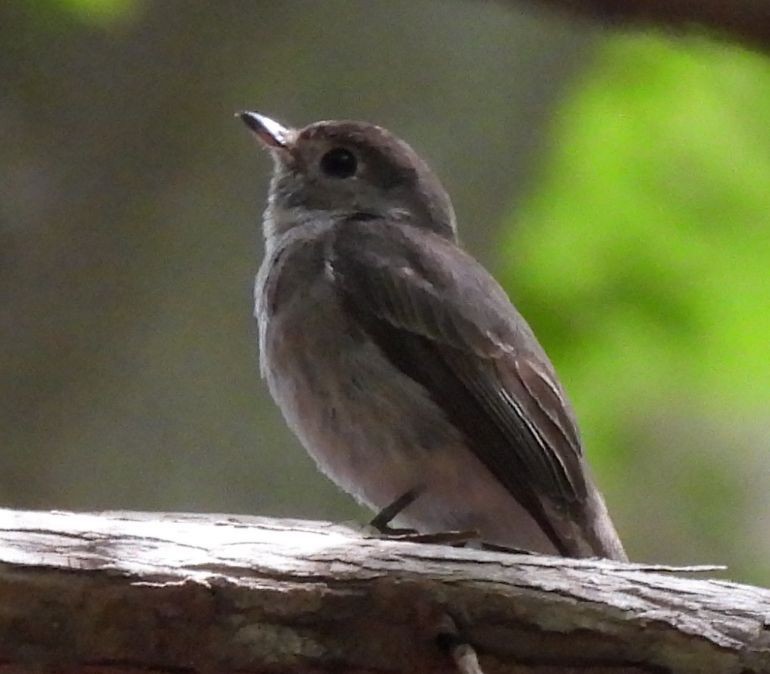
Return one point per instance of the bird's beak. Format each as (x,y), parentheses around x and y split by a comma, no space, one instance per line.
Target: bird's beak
(271,134)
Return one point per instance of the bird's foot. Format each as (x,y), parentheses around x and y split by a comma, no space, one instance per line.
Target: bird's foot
(493,547)
(381,524)
(454,538)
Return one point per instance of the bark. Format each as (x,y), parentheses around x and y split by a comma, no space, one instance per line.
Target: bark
(744,21)
(133,592)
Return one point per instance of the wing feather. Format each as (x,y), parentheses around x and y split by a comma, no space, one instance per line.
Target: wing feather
(444,321)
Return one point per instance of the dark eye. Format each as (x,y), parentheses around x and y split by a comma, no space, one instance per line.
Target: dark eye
(339,163)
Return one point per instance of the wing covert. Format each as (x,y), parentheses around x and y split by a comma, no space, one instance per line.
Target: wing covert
(444,321)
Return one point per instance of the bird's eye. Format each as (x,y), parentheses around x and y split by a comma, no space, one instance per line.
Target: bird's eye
(339,163)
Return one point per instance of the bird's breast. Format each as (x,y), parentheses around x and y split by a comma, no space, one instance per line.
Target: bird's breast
(368,426)
(373,430)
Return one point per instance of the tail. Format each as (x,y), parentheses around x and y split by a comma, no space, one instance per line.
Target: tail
(589,532)
(600,531)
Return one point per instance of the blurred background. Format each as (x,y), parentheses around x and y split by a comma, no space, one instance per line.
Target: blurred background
(618,184)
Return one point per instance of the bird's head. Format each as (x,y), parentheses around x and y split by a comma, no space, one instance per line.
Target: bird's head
(340,169)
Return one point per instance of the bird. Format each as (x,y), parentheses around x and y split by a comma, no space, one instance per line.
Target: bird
(397,359)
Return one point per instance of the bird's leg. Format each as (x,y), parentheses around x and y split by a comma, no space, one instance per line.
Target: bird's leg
(382,520)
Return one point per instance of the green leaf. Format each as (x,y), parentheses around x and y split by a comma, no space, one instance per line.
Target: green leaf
(643,258)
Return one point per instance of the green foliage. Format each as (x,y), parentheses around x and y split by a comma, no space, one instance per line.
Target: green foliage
(643,262)
(99,12)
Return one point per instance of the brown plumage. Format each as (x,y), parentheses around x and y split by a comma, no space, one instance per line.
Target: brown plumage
(400,362)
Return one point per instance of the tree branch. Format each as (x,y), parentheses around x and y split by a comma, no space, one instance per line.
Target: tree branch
(744,21)
(125,592)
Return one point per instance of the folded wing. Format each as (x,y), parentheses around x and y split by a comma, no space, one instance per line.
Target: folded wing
(443,321)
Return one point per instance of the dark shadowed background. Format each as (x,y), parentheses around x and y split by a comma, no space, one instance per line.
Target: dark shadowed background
(618,184)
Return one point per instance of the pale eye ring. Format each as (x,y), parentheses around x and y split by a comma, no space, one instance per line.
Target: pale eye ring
(339,162)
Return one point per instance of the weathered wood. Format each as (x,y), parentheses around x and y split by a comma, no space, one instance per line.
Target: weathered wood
(133,592)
